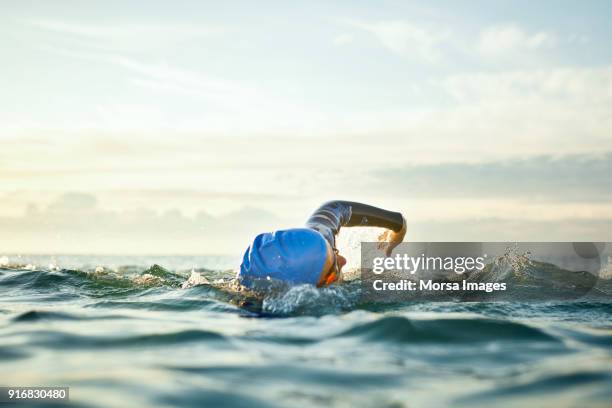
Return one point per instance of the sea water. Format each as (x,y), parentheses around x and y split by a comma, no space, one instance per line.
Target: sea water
(165,331)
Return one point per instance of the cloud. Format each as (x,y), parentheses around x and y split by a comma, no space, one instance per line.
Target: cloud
(74,224)
(483,229)
(71,203)
(406,38)
(432,43)
(590,85)
(343,39)
(511,38)
(122,37)
(170,77)
(202,101)
(120,31)
(578,178)
(188,98)
(580,39)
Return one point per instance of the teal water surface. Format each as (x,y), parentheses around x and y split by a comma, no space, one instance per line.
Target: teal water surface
(168,331)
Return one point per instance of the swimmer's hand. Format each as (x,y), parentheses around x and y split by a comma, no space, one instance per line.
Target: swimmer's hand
(389,239)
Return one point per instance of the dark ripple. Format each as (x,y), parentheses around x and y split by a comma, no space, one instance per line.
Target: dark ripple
(39,315)
(542,386)
(594,338)
(290,340)
(402,330)
(12,353)
(603,307)
(565,310)
(103,284)
(62,340)
(165,305)
(211,398)
(294,374)
(41,279)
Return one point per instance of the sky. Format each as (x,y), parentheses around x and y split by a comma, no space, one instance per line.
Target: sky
(187,127)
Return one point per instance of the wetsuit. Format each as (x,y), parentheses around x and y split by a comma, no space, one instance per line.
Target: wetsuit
(331,216)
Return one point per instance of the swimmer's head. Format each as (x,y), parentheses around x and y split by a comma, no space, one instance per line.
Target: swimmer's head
(295,256)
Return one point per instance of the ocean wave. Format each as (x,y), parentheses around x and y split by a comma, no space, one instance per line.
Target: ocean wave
(403,330)
(561,384)
(200,288)
(55,339)
(45,315)
(154,335)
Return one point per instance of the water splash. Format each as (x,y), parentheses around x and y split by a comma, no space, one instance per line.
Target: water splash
(606,270)
(195,279)
(308,300)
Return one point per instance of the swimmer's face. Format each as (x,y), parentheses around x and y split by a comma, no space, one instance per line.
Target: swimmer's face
(332,268)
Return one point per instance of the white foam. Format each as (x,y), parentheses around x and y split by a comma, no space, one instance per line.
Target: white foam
(606,269)
(195,279)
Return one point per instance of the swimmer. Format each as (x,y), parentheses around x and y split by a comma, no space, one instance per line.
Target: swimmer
(308,255)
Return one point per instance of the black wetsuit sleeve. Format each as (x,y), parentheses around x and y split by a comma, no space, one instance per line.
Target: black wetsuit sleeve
(331,216)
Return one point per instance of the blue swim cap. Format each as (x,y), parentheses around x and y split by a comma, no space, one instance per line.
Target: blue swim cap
(295,256)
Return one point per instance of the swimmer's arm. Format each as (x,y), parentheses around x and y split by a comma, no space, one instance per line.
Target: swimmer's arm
(363,215)
(394,222)
(333,215)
